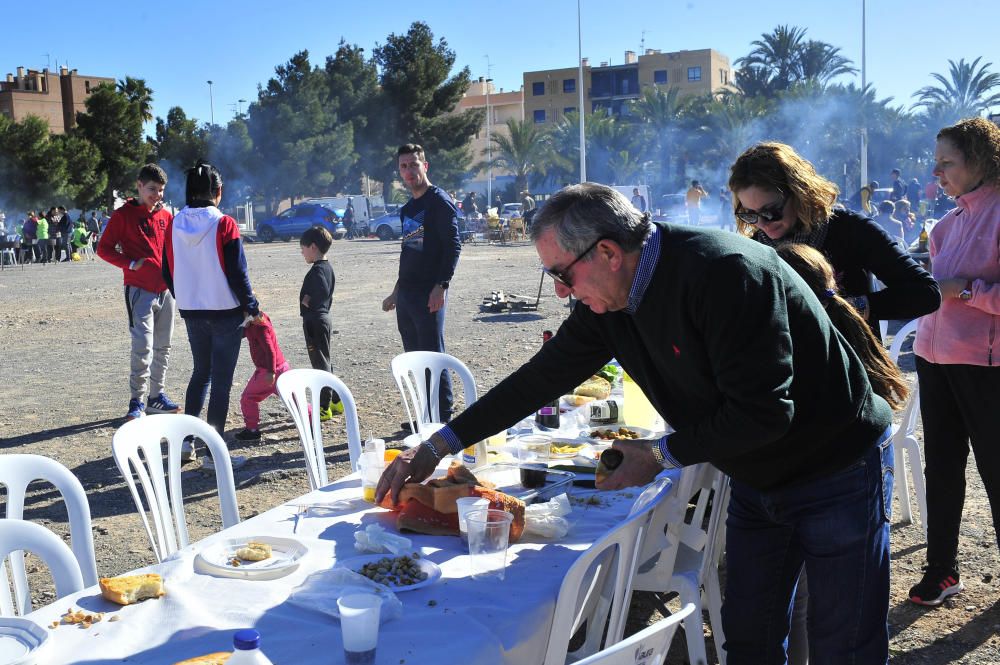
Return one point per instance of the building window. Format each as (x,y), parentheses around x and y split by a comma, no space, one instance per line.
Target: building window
(660,76)
(569,85)
(724,76)
(569,109)
(86,87)
(694,73)
(538,88)
(539,116)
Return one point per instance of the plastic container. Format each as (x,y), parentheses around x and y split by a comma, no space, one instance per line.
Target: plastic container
(246,649)
(637,409)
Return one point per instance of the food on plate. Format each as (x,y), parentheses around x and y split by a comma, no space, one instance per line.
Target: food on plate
(596,387)
(565,448)
(128,589)
(615,434)
(254,551)
(430,508)
(208,659)
(395,571)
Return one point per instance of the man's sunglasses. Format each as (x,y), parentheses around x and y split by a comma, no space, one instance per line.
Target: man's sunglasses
(768,213)
(562,276)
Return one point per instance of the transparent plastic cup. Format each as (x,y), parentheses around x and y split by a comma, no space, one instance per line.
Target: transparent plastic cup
(489,535)
(359,622)
(465,505)
(371,466)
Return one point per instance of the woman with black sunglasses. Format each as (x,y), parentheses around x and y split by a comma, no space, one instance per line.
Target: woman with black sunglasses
(779,198)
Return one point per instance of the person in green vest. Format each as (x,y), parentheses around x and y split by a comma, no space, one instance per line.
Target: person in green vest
(42,233)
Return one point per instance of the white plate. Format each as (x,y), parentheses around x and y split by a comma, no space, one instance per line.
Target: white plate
(426,566)
(21,641)
(216,558)
(641,431)
(582,449)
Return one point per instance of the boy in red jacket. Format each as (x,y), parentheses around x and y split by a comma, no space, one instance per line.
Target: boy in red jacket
(270,364)
(133,241)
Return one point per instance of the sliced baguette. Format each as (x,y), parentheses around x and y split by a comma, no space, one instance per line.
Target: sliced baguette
(217,658)
(596,386)
(129,589)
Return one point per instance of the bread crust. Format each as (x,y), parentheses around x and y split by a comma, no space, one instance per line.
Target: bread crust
(208,659)
(128,589)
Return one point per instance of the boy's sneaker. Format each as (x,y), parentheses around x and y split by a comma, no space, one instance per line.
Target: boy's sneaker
(337,408)
(326,414)
(247,434)
(938,583)
(236,461)
(162,404)
(136,409)
(188,453)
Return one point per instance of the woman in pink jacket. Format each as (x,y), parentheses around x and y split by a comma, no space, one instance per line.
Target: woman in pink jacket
(956,363)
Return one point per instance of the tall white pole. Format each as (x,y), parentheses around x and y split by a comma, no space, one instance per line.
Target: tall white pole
(864,84)
(489,150)
(579,87)
(211,103)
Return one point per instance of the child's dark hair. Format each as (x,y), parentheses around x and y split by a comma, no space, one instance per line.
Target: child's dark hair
(152,173)
(886,379)
(318,236)
(204,182)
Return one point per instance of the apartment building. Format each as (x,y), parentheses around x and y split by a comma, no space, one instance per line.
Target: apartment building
(550,94)
(54,98)
(500,106)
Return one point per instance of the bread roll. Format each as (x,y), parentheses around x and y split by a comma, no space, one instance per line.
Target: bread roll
(129,589)
(254,551)
(596,387)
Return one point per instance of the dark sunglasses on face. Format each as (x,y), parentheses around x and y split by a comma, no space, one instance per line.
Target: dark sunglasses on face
(769,213)
(562,276)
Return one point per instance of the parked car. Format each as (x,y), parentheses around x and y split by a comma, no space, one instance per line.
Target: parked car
(511,210)
(672,208)
(386,227)
(292,222)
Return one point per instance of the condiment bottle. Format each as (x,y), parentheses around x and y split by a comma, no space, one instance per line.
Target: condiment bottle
(246,649)
(548,415)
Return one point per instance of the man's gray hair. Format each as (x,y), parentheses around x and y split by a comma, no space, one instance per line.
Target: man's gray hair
(581,214)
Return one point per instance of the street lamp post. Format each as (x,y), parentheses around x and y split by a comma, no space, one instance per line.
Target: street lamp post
(489,149)
(239,106)
(579,86)
(211,103)
(864,84)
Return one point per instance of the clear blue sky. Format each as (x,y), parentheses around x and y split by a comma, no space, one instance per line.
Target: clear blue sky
(177,46)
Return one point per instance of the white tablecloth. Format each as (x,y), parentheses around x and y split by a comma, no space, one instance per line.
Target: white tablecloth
(471,621)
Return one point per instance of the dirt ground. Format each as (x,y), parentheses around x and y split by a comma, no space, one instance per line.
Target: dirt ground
(64,390)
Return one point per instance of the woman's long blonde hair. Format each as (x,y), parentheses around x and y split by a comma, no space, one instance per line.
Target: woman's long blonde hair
(777,166)
(886,379)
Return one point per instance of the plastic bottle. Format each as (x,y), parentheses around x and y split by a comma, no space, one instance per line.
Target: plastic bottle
(548,415)
(922,241)
(246,649)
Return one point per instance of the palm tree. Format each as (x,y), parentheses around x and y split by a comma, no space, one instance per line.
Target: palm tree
(777,52)
(523,151)
(138,94)
(968,90)
(783,58)
(819,61)
(660,114)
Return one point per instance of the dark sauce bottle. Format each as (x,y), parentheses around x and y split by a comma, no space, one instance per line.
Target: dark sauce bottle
(548,415)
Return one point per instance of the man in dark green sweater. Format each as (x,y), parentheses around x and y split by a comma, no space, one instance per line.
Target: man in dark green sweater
(737,354)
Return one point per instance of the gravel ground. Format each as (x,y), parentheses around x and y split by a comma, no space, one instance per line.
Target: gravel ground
(64,390)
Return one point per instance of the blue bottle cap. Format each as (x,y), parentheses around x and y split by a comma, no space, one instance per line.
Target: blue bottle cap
(246,640)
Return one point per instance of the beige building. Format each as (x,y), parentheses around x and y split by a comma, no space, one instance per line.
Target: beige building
(55,99)
(549,94)
(501,106)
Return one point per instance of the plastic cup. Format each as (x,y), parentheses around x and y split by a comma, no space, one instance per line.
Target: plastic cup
(359,622)
(371,466)
(375,446)
(533,448)
(465,505)
(489,534)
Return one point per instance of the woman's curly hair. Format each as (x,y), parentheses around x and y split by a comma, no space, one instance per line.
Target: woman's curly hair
(978,140)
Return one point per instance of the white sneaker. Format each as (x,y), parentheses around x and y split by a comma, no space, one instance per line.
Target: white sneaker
(236,461)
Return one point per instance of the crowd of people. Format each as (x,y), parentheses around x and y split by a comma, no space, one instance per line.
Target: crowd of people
(52,236)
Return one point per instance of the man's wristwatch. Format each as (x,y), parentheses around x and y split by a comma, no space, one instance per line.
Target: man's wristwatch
(658,454)
(444,285)
(966,293)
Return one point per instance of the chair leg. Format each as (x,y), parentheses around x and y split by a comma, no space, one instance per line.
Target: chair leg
(902,485)
(917,474)
(694,627)
(713,595)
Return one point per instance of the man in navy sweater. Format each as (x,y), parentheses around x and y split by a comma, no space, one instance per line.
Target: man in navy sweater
(738,355)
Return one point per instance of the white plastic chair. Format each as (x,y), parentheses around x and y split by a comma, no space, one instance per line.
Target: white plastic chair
(647,647)
(684,557)
(17,471)
(18,536)
(138,451)
(422,404)
(596,588)
(904,438)
(300,390)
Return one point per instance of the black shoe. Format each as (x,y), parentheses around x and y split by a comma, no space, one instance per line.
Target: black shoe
(247,434)
(938,583)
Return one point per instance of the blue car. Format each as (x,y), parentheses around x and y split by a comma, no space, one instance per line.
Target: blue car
(292,222)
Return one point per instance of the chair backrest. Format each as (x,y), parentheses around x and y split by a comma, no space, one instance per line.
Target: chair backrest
(138,451)
(597,586)
(21,536)
(418,377)
(911,410)
(300,390)
(647,647)
(17,471)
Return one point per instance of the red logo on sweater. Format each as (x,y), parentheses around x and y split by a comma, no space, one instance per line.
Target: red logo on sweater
(677,352)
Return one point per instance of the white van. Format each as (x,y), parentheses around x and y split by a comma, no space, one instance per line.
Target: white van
(365,207)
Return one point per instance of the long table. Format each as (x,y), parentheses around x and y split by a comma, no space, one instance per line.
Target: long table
(458,619)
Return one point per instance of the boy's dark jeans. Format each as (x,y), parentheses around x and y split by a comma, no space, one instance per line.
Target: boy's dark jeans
(317,334)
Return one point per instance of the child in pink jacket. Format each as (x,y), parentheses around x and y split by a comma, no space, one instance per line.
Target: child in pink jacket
(270,364)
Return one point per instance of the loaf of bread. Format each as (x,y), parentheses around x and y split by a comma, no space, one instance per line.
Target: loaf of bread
(596,387)
(129,589)
(208,659)
(254,551)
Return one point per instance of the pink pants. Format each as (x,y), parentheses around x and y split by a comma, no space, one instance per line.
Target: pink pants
(258,389)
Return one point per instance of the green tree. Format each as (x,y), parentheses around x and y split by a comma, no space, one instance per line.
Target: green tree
(139,95)
(822,62)
(84,183)
(32,165)
(231,150)
(113,124)
(353,87)
(968,90)
(784,57)
(415,104)
(523,151)
(178,144)
(778,54)
(660,115)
